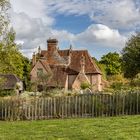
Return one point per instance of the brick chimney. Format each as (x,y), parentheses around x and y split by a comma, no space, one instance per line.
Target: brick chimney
(52,45)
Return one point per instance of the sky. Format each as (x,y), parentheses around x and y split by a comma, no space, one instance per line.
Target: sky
(100,26)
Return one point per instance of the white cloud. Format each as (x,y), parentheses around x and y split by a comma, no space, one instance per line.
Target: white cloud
(98,33)
(31,24)
(114,13)
(32,8)
(30,30)
(63,35)
(119,14)
(33,20)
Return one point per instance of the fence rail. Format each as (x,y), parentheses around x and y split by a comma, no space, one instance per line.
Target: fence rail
(89,105)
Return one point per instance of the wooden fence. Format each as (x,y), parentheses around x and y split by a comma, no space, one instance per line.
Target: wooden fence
(89,105)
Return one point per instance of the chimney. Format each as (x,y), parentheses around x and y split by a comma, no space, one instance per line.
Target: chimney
(82,62)
(34,59)
(52,45)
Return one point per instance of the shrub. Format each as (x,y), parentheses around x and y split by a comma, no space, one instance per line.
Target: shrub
(85,85)
(117,85)
(6,93)
(136,81)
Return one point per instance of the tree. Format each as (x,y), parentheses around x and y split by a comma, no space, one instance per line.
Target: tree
(11,60)
(112,62)
(10,57)
(102,67)
(4,20)
(41,82)
(131,56)
(26,72)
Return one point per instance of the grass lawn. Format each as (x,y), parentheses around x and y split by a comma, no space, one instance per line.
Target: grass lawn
(114,128)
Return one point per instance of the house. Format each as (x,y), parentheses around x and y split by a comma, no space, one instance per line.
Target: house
(69,68)
(10,82)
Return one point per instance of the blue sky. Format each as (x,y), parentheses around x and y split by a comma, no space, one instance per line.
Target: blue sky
(99,26)
(72,23)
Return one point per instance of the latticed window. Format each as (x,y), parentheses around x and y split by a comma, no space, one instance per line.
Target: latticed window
(39,71)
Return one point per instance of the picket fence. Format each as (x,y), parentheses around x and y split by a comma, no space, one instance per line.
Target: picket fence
(88,105)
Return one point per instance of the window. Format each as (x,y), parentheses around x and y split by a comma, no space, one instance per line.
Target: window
(39,71)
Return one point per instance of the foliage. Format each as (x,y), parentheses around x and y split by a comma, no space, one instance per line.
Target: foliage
(26,72)
(131,56)
(4,93)
(85,85)
(4,20)
(10,57)
(2,80)
(135,82)
(112,62)
(118,82)
(11,60)
(40,84)
(102,67)
(117,85)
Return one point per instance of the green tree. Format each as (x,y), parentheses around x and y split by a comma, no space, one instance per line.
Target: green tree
(112,62)
(11,60)
(131,56)
(10,57)
(26,72)
(4,20)
(102,67)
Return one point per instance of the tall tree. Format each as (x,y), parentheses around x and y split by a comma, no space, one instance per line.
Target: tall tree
(4,20)
(112,62)
(10,57)
(131,56)
(11,60)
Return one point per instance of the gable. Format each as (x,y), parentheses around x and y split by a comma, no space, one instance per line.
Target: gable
(81,78)
(41,64)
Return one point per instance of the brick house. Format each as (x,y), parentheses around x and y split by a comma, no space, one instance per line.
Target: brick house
(69,68)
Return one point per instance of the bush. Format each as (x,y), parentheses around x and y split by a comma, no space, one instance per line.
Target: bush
(85,85)
(117,85)
(6,93)
(136,81)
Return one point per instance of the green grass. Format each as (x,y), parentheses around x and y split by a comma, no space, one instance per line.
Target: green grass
(114,128)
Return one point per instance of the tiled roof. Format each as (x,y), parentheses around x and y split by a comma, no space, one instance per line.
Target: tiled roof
(90,65)
(53,58)
(74,67)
